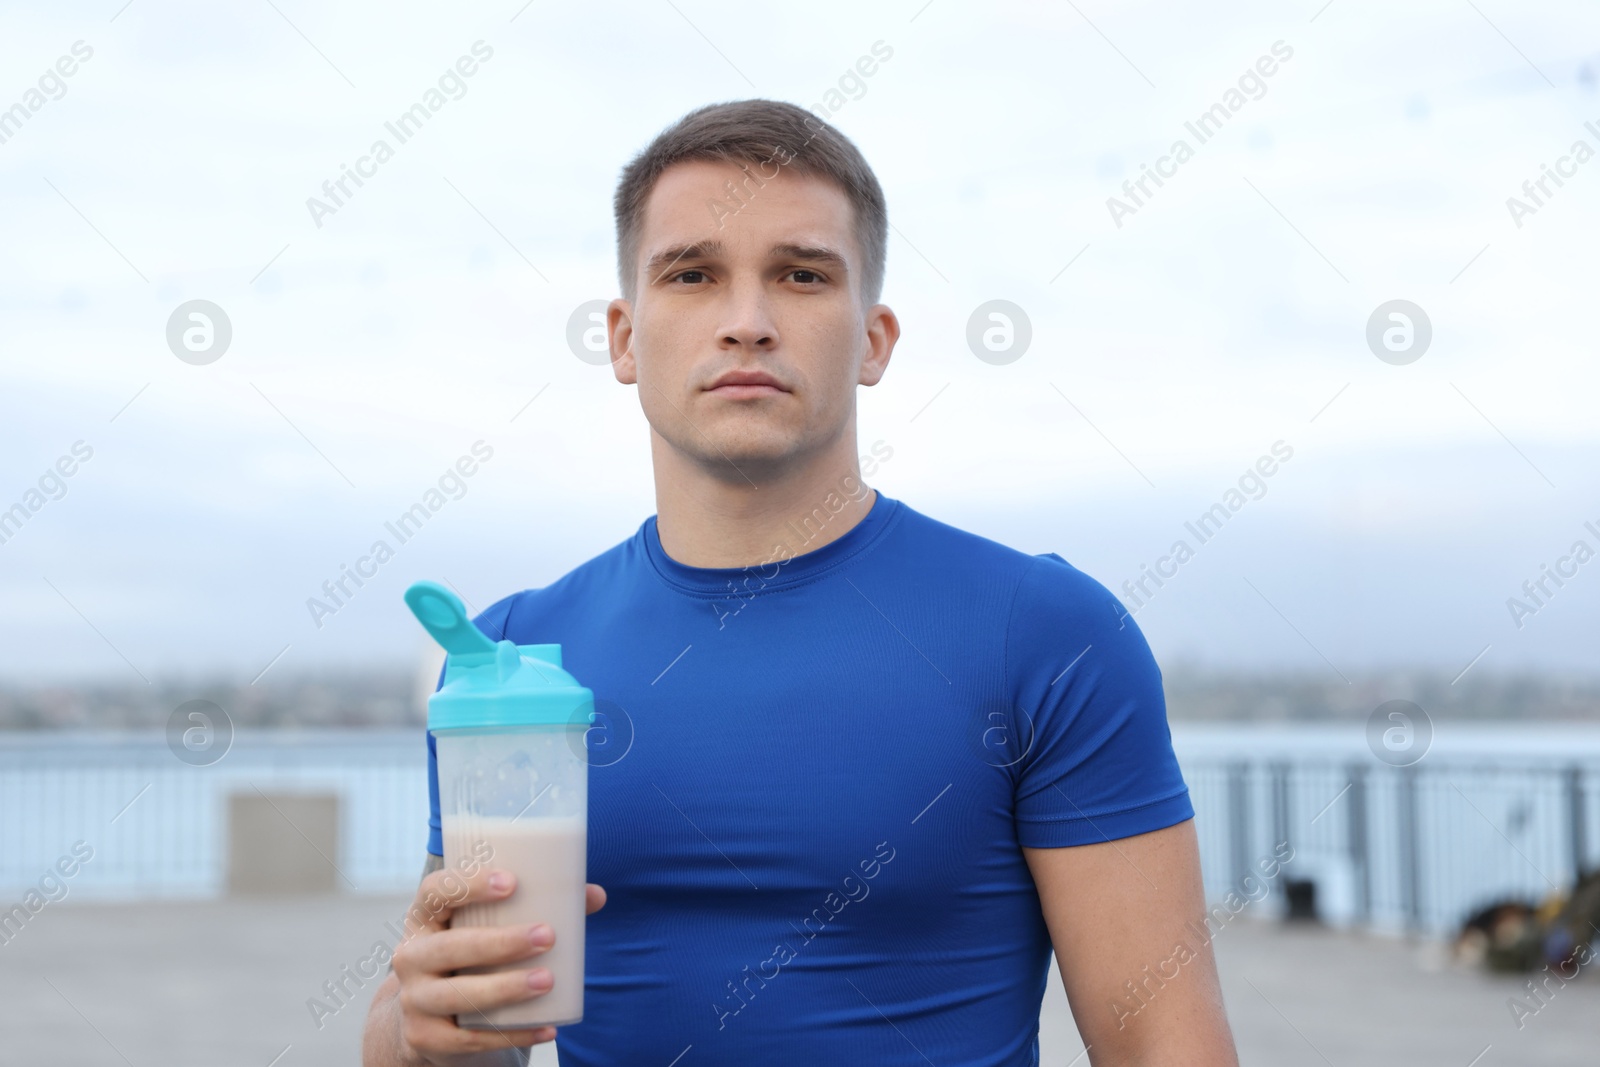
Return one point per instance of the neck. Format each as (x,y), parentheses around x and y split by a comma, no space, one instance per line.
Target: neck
(706,519)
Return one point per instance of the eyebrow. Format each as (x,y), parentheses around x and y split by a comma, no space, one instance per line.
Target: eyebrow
(664,260)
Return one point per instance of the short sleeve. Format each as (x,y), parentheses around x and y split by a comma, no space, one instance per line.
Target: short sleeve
(493,621)
(1099,763)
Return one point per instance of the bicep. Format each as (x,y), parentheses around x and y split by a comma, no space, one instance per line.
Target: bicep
(1127,919)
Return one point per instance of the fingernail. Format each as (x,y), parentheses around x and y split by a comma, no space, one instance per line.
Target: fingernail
(500,881)
(541,936)
(539,979)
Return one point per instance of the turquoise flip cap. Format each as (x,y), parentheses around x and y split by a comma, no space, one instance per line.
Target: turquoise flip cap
(489,684)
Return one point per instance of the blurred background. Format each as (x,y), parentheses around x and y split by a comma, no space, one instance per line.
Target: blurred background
(223,380)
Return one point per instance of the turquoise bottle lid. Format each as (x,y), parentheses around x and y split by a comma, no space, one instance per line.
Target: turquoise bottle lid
(490,684)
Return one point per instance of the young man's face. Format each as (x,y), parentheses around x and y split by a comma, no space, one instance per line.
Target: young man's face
(772,287)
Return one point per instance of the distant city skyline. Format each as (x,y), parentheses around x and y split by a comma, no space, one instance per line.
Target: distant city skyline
(381,698)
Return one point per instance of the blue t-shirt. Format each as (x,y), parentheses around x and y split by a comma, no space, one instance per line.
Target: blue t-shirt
(810,783)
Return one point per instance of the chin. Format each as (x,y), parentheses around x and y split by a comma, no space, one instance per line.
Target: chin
(752,457)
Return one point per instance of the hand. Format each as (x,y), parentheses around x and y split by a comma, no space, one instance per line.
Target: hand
(430,993)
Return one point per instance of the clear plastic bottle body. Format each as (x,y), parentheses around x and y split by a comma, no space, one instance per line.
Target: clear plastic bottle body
(517,798)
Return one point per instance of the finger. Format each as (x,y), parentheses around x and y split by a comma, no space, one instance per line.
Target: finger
(594,897)
(442,892)
(474,946)
(462,993)
(433,1034)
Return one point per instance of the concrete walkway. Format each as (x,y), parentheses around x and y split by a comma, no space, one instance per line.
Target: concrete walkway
(226,983)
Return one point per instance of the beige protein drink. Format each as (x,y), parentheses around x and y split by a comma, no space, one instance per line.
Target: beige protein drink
(510,729)
(548,856)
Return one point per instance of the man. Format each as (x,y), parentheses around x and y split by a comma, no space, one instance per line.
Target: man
(879,766)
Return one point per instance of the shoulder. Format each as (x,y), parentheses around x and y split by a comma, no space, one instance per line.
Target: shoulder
(1055,590)
(1043,584)
(1059,606)
(959,553)
(503,618)
(1049,612)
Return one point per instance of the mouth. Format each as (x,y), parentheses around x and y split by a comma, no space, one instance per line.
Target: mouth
(742,392)
(746,385)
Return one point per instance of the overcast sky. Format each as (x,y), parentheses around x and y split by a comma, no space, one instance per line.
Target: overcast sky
(1227,313)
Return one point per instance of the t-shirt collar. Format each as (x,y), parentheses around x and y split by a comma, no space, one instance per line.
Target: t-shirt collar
(778,574)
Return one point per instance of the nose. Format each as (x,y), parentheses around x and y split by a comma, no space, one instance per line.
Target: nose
(747,320)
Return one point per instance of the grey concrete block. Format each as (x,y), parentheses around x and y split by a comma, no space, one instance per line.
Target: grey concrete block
(283,844)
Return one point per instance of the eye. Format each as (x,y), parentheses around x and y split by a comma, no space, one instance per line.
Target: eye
(698,276)
(811,276)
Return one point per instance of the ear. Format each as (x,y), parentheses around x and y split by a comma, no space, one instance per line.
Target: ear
(883,330)
(619,333)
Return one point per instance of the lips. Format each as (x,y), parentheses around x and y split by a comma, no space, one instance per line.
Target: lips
(747,383)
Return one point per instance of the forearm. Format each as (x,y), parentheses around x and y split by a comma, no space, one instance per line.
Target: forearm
(383,1041)
(1200,1038)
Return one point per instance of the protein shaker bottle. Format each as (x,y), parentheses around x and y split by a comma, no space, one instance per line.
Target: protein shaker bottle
(509,727)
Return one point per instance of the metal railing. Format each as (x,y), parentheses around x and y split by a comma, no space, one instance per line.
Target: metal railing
(1408,849)
(1413,849)
(158,826)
